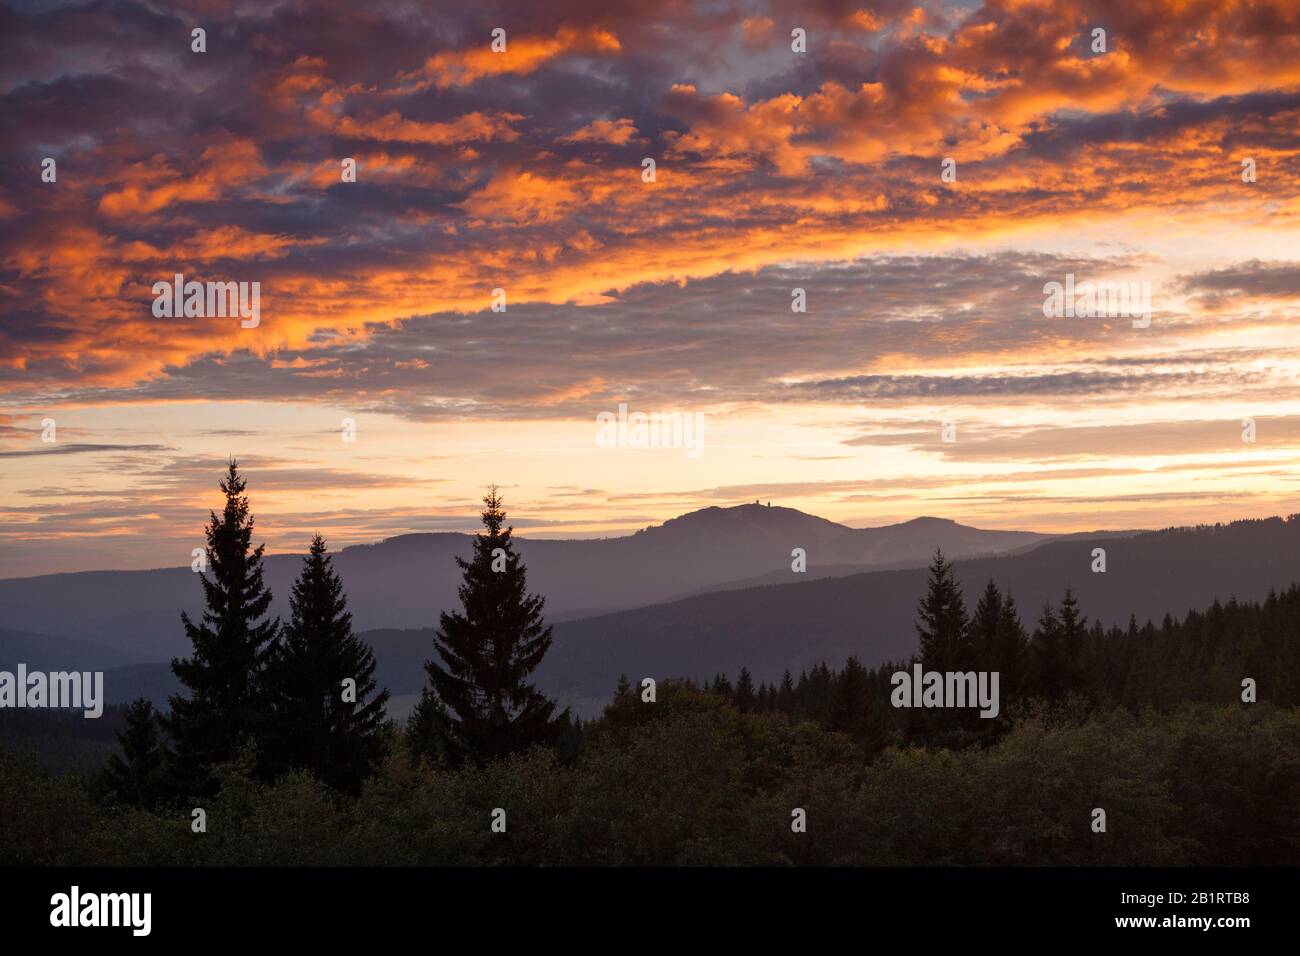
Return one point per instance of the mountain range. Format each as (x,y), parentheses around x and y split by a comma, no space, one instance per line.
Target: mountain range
(403,582)
(748,608)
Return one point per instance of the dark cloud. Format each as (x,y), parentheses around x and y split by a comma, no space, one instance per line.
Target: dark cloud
(981,441)
(1254,279)
(55,448)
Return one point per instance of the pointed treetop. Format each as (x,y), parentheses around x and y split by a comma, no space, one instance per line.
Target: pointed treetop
(233,483)
(494,513)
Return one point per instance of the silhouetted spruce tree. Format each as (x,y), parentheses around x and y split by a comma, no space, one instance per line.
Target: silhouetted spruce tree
(427,728)
(137,777)
(1049,656)
(998,640)
(848,705)
(487,651)
(1096,675)
(941,624)
(624,711)
(803,695)
(745,698)
(319,722)
(226,706)
(1073,630)
(983,625)
(1009,648)
(568,740)
(818,699)
(1144,671)
(785,696)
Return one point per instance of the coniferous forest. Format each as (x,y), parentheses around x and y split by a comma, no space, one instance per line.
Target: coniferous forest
(1186,732)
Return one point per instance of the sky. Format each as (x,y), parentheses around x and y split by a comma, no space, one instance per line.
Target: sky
(836,270)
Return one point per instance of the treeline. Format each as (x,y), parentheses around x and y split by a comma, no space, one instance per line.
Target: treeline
(1205,657)
(691,780)
(64,739)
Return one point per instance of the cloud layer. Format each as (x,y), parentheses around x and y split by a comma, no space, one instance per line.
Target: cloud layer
(776,169)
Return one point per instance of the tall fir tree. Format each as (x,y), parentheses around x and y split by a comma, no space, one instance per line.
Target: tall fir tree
(1009,648)
(817,700)
(226,706)
(137,777)
(998,640)
(1049,658)
(480,705)
(745,698)
(848,705)
(568,738)
(1073,630)
(983,626)
(941,625)
(785,696)
(326,716)
(624,688)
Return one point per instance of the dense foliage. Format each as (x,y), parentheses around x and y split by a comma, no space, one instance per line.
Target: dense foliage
(1203,658)
(690,779)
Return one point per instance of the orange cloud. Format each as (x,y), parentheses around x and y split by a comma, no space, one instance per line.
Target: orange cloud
(392,127)
(523,55)
(616,132)
(157,185)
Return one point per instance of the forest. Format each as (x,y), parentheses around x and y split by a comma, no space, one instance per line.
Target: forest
(1184,734)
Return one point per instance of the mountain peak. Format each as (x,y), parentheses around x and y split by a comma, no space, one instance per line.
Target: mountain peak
(928,521)
(752,513)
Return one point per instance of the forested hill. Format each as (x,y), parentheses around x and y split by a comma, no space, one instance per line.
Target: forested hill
(872,616)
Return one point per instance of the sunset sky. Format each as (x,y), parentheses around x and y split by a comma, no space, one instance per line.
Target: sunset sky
(522,170)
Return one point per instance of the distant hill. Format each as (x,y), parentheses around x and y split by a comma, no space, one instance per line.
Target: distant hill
(951,545)
(871,615)
(46,653)
(405,581)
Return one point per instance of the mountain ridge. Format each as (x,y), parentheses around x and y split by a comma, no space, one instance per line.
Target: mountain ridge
(803,622)
(404,581)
